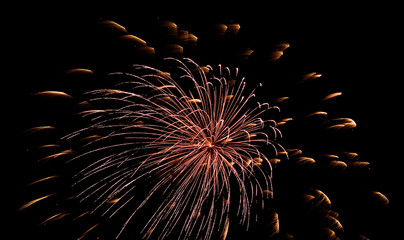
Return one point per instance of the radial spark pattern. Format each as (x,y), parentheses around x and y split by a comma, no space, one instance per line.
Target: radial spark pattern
(169,149)
(188,145)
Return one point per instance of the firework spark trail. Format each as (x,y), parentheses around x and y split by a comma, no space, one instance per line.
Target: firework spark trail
(188,144)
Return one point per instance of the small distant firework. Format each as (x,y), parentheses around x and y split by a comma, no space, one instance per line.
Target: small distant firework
(172,148)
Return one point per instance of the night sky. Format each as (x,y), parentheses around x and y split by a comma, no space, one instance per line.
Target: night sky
(354,47)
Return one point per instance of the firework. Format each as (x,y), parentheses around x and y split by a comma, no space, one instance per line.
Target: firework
(187,144)
(171,148)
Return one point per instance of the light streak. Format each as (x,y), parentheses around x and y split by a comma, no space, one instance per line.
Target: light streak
(35,201)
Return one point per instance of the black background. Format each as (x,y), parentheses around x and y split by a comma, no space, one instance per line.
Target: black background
(353,45)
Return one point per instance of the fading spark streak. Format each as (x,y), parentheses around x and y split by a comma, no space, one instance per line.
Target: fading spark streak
(35,201)
(87,231)
(55,217)
(332,95)
(43,179)
(54,94)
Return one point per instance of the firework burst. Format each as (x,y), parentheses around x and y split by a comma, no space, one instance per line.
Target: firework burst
(187,144)
(171,148)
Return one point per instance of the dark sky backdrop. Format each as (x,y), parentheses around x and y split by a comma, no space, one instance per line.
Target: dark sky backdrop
(354,46)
